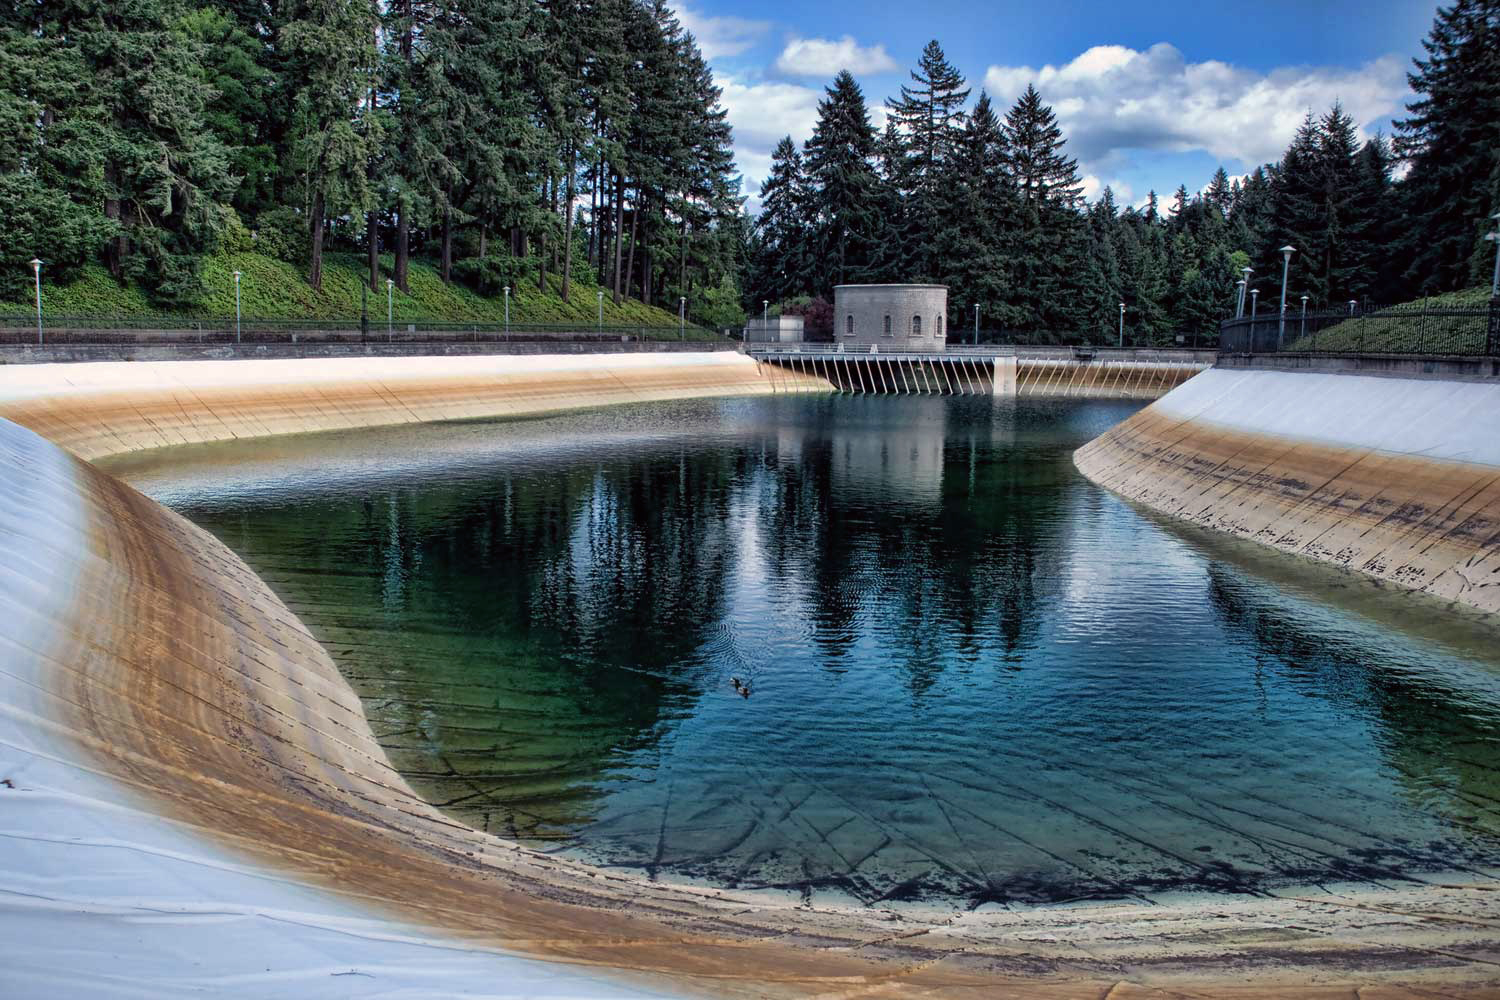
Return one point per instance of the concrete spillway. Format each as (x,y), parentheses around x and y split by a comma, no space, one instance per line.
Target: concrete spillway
(194,801)
(1397,478)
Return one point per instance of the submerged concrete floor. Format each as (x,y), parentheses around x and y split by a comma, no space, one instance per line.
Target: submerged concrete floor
(159,704)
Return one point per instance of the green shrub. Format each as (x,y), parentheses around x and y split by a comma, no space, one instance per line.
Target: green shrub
(282,233)
(491,275)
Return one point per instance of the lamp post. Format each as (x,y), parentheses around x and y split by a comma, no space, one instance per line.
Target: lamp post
(236,307)
(1352,304)
(389,312)
(36,270)
(976,324)
(682,317)
(1122,324)
(507,310)
(1495,239)
(599,326)
(1286,265)
(1239,299)
(1304,317)
(1246,271)
(765,319)
(1254,299)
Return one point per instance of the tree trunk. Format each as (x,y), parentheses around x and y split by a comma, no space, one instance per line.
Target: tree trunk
(567,264)
(372,241)
(484,241)
(114,251)
(619,228)
(446,260)
(403,244)
(635,221)
(541,253)
(646,266)
(315,269)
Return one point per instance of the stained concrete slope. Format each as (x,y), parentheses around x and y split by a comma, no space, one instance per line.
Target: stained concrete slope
(179,749)
(1398,478)
(108,408)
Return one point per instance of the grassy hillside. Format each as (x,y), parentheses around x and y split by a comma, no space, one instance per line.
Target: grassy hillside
(273,289)
(1412,327)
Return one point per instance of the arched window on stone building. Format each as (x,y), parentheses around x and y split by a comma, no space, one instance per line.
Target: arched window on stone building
(849,324)
(916,326)
(938,332)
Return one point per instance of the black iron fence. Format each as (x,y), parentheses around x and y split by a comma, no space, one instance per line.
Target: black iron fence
(1406,329)
(61,330)
(1011,337)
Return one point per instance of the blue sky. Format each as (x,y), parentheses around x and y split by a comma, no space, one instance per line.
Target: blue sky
(1151,95)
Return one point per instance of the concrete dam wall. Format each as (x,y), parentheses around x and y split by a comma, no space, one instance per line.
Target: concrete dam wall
(1397,478)
(95,410)
(194,800)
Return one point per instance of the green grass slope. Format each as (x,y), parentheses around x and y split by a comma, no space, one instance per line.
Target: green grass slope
(1413,327)
(273,289)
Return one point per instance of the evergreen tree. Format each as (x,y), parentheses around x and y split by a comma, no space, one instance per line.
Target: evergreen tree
(328,47)
(780,265)
(929,118)
(1034,154)
(839,164)
(1452,142)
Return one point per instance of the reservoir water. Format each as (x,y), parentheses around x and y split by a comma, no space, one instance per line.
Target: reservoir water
(884,650)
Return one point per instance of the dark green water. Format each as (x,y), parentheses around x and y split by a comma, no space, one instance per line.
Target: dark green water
(974,677)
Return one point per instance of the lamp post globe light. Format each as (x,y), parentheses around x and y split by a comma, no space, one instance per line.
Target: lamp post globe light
(236,307)
(682,317)
(1352,304)
(976,324)
(1304,317)
(765,319)
(1122,324)
(1495,239)
(1254,299)
(36,271)
(1286,265)
(389,298)
(1246,271)
(507,310)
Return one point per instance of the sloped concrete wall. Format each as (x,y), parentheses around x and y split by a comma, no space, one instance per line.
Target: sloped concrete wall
(102,409)
(194,801)
(1397,478)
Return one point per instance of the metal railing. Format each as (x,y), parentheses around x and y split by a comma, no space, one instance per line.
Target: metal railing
(1008,337)
(63,330)
(1405,329)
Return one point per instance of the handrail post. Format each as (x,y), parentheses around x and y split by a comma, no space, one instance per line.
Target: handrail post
(1493,345)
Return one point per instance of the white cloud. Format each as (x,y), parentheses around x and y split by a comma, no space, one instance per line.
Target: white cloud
(721,35)
(1093,187)
(822,57)
(761,114)
(1112,98)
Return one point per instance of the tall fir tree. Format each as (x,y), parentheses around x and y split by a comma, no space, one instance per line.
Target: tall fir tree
(929,118)
(839,160)
(328,48)
(1452,143)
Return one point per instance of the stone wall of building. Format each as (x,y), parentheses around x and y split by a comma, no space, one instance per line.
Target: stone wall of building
(894,317)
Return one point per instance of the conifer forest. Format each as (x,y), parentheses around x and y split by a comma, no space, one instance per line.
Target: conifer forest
(584,142)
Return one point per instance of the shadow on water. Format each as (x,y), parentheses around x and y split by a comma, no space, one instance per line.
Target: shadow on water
(975,678)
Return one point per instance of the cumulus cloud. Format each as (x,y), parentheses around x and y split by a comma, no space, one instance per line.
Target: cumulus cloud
(761,113)
(1113,98)
(823,57)
(1093,187)
(719,36)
